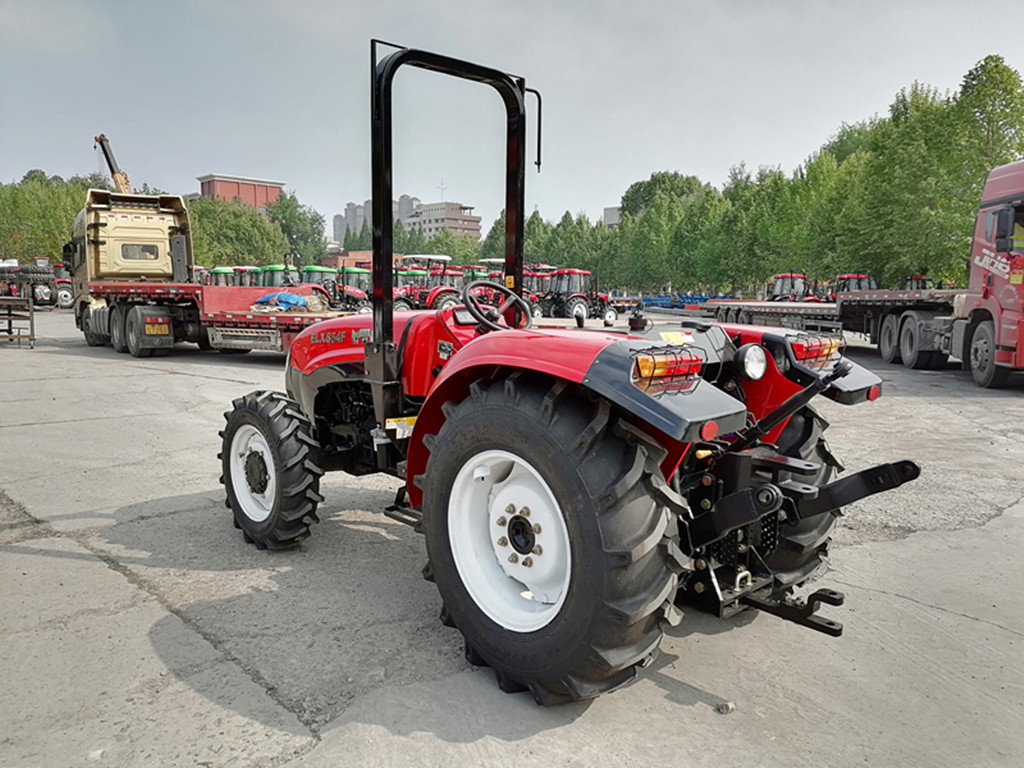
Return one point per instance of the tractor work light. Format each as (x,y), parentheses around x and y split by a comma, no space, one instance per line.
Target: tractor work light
(667,369)
(751,361)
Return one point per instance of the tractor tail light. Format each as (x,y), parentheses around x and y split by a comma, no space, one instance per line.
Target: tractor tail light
(816,352)
(667,370)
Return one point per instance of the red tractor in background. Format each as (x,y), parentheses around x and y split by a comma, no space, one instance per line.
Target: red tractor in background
(574,293)
(574,486)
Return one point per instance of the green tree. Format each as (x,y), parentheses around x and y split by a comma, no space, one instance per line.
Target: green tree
(233,234)
(493,245)
(303,227)
(641,194)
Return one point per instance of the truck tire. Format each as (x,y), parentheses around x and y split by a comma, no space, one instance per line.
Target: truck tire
(549,550)
(983,357)
(803,546)
(268,470)
(911,353)
(134,327)
(203,342)
(117,328)
(92,339)
(889,339)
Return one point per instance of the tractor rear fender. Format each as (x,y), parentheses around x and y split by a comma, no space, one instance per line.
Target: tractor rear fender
(681,413)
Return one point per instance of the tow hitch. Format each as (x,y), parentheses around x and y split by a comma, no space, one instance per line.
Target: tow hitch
(800,611)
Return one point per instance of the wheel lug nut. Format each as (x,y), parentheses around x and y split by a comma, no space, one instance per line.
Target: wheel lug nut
(502,542)
(525,511)
(701,565)
(501,521)
(527,562)
(510,509)
(513,558)
(536,527)
(698,587)
(538,550)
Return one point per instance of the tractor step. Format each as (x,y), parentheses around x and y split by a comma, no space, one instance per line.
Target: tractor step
(801,612)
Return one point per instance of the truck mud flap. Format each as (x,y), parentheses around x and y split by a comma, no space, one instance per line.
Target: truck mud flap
(246,338)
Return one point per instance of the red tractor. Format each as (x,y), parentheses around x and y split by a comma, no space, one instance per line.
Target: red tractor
(574,293)
(574,486)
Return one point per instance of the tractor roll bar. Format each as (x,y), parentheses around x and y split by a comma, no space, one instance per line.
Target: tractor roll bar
(512,90)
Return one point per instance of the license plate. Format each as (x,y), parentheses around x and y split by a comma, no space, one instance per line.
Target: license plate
(157,329)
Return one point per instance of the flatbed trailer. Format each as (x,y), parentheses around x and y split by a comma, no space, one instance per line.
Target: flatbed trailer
(217,317)
(980,325)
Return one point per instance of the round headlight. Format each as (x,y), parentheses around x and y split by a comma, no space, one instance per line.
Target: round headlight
(751,361)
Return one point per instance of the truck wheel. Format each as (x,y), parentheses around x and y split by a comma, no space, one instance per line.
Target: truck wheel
(117,337)
(576,307)
(983,357)
(910,343)
(803,546)
(133,329)
(549,551)
(743,318)
(92,339)
(204,339)
(269,472)
(889,339)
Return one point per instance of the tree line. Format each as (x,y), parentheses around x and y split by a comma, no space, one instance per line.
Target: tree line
(891,195)
(36,216)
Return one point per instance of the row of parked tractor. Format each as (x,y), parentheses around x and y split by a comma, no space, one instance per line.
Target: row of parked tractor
(430,281)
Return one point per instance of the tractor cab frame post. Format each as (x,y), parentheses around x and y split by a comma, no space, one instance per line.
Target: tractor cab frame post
(382,352)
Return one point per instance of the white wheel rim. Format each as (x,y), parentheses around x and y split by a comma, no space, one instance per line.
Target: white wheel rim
(520,589)
(256,506)
(610,316)
(579,309)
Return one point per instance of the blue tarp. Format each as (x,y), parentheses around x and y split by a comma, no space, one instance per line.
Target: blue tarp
(282,299)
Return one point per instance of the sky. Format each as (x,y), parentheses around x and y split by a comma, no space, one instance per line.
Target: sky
(280,90)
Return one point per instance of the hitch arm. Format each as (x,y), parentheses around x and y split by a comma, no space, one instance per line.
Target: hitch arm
(803,613)
(855,487)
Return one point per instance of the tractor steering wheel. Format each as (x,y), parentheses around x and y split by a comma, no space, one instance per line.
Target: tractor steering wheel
(489,318)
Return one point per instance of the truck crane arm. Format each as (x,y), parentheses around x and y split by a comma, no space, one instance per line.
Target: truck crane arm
(119,176)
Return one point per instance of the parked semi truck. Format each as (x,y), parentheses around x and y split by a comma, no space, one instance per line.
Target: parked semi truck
(923,328)
(135,286)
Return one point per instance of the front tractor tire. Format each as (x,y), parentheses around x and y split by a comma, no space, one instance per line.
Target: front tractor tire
(269,470)
(550,550)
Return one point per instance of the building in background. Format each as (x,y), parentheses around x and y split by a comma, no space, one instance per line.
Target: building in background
(435,217)
(429,218)
(612,217)
(253,192)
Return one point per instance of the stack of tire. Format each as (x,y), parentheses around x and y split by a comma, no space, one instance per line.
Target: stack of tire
(29,280)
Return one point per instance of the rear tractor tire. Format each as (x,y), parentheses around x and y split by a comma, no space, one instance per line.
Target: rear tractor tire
(269,470)
(803,546)
(546,540)
(576,307)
